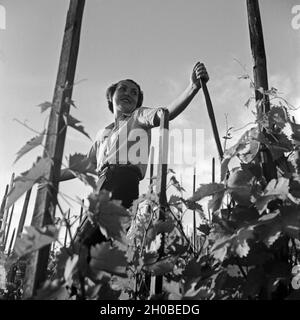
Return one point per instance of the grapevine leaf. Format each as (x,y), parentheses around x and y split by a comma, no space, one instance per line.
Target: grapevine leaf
(73,122)
(219,249)
(70,102)
(24,182)
(204,228)
(159,227)
(246,149)
(70,268)
(174,199)
(78,162)
(275,189)
(278,144)
(251,148)
(31,144)
(107,293)
(291,221)
(105,257)
(52,290)
(35,239)
(201,293)
(87,180)
(150,258)
(240,243)
(252,286)
(162,266)
(237,243)
(224,167)
(110,215)
(269,228)
(234,271)
(206,190)
(191,205)
(176,184)
(155,244)
(176,202)
(171,171)
(45,105)
(277,116)
(240,185)
(215,203)
(296,131)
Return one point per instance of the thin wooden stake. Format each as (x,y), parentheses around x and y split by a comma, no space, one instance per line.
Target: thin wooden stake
(161,186)
(46,200)
(81,211)
(194,212)
(6,212)
(8,226)
(3,203)
(297,153)
(213,175)
(11,242)
(23,213)
(151,167)
(67,222)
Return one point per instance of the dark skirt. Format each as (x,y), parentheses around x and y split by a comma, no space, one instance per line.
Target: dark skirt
(123,183)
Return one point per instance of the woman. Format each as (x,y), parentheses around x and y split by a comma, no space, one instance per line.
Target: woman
(114,152)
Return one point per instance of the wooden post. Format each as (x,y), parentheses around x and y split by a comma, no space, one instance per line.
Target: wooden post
(8,227)
(6,213)
(295,129)
(161,185)
(194,212)
(46,199)
(151,167)
(181,195)
(3,203)
(81,211)
(11,242)
(23,213)
(213,171)
(260,79)
(66,233)
(213,180)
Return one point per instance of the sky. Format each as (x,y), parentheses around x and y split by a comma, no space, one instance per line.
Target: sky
(156,43)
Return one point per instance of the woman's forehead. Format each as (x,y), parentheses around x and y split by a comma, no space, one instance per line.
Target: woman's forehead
(127,83)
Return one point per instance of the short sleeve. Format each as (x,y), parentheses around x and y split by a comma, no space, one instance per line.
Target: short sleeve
(100,137)
(149,117)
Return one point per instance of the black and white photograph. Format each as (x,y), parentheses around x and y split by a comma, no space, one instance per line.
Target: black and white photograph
(150,153)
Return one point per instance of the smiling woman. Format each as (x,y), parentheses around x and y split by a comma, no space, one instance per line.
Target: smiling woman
(125,91)
(119,169)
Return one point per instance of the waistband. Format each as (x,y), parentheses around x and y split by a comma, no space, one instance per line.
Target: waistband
(108,166)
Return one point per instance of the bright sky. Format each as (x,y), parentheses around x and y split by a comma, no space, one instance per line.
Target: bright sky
(154,42)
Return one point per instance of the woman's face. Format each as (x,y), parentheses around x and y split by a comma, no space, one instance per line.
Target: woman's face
(125,97)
